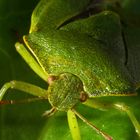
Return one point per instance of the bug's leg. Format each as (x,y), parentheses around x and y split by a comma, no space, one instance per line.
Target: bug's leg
(29,59)
(106,136)
(50,112)
(123,107)
(22,86)
(119,106)
(73,125)
(20,101)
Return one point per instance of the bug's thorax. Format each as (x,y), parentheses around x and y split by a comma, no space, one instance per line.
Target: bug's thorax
(65,91)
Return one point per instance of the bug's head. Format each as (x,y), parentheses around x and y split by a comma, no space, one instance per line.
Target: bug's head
(65,91)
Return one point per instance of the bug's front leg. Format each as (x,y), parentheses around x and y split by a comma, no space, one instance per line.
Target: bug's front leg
(95,103)
(29,59)
(73,125)
(22,86)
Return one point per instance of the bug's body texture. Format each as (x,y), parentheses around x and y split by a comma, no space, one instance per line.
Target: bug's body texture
(80,58)
(90,59)
(68,95)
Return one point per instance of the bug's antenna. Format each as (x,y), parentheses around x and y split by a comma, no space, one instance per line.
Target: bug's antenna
(5,102)
(106,136)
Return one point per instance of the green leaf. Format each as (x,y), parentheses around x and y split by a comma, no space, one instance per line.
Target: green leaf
(24,121)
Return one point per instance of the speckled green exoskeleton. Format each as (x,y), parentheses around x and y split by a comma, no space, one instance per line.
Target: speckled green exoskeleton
(80,59)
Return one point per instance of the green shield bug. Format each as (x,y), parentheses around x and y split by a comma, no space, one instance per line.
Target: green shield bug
(76,58)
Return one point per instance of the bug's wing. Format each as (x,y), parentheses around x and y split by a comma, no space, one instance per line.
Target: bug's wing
(132,36)
(97,59)
(104,27)
(52,13)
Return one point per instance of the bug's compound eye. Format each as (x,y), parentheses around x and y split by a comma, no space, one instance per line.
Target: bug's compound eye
(51,79)
(83,96)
